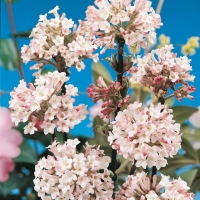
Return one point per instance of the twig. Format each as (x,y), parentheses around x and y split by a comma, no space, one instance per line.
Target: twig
(119,72)
(12,24)
(159,6)
(170,96)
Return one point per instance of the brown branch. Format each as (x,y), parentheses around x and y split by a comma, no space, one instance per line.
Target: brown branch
(12,24)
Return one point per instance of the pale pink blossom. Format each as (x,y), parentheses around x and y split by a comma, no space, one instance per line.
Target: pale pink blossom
(9,144)
(146,136)
(54,37)
(161,70)
(109,19)
(72,175)
(139,187)
(42,101)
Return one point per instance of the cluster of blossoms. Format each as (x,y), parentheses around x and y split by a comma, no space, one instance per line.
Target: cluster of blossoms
(9,144)
(161,70)
(53,39)
(139,187)
(146,135)
(42,101)
(110,94)
(118,18)
(71,175)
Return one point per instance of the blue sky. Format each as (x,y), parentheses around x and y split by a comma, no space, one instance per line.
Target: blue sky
(181,20)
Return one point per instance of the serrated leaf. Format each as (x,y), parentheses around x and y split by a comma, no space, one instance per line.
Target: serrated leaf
(189,176)
(182,113)
(27,155)
(8,56)
(99,70)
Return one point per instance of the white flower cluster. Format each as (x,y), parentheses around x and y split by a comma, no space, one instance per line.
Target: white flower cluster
(146,135)
(118,18)
(161,70)
(139,187)
(74,176)
(53,37)
(42,101)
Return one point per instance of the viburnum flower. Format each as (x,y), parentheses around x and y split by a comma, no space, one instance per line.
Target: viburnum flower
(54,40)
(9,144)
(162,70)
(72,175)
(139,187)
(42,101)
(110,19)
(110,94)
(146,136)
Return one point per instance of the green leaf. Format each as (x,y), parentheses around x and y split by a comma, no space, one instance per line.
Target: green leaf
(124,167)
(27,155)
(182,113)
(190,133)
(169,102)
(100,139)
(178,161)
(195,185)
(10,184)
(99,70)
(8,56)
(190,151)
(189,176)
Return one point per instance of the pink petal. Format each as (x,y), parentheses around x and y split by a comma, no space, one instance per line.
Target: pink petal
(5,119)
(9,143)
(6,166)
(9,150)
(13,136)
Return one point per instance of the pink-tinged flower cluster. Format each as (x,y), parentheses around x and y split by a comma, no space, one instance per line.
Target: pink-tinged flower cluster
(42,101)
(146,135)
(71,175)
(52,38)
(10,139)
(161,70)
(112,19)
(139,187)
(110,94)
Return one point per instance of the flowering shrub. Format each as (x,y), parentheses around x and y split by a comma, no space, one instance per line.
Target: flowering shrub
(142,137)
(110,95)
(161,70)
(146,135)
(53,39)
(140,187)
(119,19)
(44,103)
(70,175)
